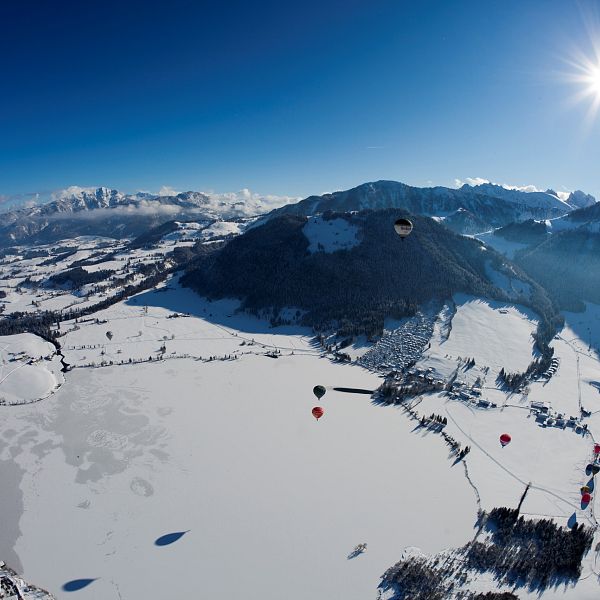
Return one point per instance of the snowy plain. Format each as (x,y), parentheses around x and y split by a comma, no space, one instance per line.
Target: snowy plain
(214,437)
(274,501)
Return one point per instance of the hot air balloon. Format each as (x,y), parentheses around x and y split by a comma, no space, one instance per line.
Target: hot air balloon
(596,448)
(319,391)
(585,489)
(109,335)
(505,439)
(317,412)
(403,227)
(585,498)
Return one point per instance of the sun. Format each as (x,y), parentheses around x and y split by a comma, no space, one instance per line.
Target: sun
(584,75)
(594,80)
(590,76)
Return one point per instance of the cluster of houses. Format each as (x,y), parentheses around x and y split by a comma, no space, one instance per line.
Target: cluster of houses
(546,417)
(416,376)
(460,390)
(400,347)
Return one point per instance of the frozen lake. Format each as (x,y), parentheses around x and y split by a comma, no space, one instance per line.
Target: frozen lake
(272,501)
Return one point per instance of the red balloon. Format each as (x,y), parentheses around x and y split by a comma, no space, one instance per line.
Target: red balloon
(596,448)
(505,439)
(585,498)
(317,412)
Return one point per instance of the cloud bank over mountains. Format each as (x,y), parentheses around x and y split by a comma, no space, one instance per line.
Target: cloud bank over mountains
(145,199)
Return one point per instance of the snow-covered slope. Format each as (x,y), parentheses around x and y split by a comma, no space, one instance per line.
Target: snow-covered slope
(331,235)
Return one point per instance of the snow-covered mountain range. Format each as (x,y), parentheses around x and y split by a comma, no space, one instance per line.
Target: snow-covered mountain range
(109,212)
(468,209)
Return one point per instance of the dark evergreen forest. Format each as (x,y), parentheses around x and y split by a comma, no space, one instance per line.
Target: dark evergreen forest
(353,290)
(567,264)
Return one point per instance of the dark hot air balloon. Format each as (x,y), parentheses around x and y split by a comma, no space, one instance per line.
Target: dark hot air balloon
(403,227)
(505,439)
(596,448)
(317,412)
(319,391)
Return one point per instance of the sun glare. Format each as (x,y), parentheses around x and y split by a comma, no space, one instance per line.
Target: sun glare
(594,80)
(590,78)
(584,74)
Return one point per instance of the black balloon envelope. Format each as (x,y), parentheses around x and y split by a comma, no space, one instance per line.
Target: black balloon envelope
(403,227)
(319,391)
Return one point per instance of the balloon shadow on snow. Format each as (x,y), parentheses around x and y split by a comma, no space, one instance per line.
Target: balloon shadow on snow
(169,538)
(77,584)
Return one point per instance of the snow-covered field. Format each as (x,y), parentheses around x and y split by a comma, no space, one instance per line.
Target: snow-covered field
(182,415)
(273,501)
(494,333)
(29,369)
(330,235)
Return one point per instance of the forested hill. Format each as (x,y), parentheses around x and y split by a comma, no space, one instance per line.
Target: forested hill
(291,261)
(585,215)
(563,255)
(568,265)
(527,232)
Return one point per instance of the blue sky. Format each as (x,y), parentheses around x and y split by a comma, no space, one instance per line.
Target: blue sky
(293,98)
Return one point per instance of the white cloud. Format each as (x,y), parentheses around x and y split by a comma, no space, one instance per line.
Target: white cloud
(69,191)
(141,208)
(251,200)
(522,188)
(473,181)
(10,202)
(167,190)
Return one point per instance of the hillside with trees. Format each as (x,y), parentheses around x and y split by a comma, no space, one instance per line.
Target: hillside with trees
(527,232)
(566,264)
(354,289)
